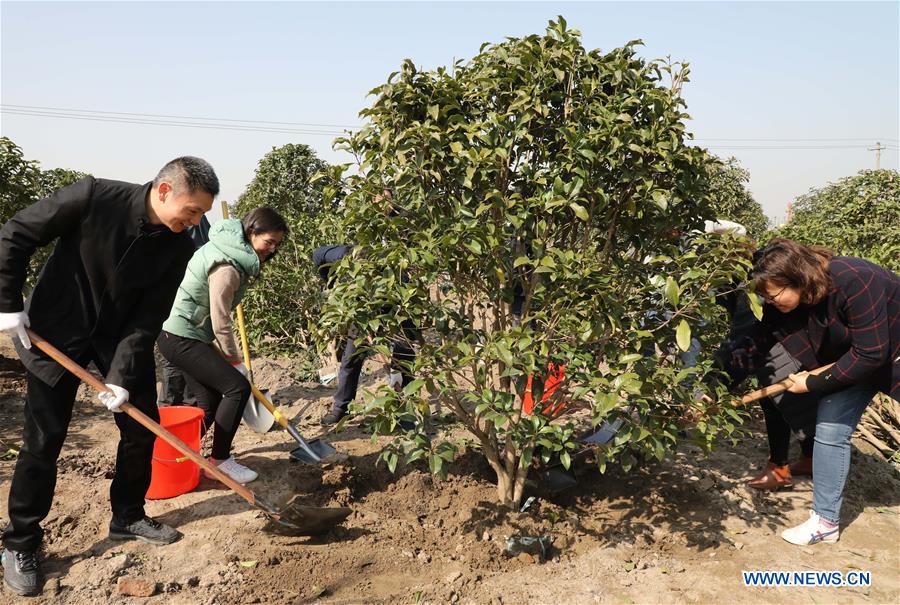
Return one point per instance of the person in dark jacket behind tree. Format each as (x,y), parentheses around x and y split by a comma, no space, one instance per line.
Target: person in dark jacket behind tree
(831,309)
(102,297)
(352,359)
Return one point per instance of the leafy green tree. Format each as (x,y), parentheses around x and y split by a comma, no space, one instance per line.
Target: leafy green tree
(57,178)
(20,179)
(22,182)
(539,197)
(281,306)
(731,200)
(858,216)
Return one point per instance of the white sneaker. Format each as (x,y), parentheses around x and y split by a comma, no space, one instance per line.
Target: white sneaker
(233,469)
(811,532)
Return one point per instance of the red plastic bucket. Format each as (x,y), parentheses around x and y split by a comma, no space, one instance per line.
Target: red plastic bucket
(173,473)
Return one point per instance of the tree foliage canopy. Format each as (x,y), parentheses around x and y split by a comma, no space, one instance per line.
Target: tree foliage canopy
(858,216)
(541,200)
(283,303)
(731,200)
(22,183)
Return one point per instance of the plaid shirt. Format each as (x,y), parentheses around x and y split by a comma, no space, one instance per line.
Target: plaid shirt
(857,327)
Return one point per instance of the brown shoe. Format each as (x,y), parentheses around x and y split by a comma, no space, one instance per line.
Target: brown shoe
(772,478)
(802,467)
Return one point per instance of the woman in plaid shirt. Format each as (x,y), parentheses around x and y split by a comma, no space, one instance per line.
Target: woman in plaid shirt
(831,309)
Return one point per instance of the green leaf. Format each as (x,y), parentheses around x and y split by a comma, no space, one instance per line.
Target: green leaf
(630,357)
(413,387)
(504,353)
(435,464)
(433,111)
(672,291)
(683,335)
(755,305)
(579,210)
(456,147)
(660,199)
(565,459)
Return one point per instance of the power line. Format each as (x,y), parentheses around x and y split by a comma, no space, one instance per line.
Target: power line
(799,140)
(177,117)
(160,122)
(787,147)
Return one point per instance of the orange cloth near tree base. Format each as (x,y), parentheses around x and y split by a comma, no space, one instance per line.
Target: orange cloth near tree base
(555,376)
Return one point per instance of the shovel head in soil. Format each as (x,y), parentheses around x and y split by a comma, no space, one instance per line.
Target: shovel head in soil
(312,452)
(556,478)
(257,416)
(301,520)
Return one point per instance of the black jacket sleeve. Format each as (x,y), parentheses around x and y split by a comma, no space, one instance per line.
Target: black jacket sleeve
(34,227)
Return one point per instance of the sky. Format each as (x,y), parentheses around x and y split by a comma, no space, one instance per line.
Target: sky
(796,91)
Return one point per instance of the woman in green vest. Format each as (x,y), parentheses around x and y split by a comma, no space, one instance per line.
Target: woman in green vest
(213,285)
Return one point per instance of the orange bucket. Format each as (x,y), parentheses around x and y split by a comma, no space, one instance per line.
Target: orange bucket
(173,473)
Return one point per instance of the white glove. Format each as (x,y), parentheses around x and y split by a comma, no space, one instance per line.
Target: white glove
(113,400)
(395,381)
(14,324)
(240,367)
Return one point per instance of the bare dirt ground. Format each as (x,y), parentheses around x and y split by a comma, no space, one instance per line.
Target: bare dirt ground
(680,531)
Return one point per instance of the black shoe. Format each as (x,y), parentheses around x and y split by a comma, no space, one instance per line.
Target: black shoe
(22,572)
(332,417)
(146,529)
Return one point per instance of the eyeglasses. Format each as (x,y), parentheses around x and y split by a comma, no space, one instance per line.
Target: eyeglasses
(771,299)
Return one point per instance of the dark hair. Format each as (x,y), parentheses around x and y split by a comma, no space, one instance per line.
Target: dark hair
(263,220)
(786,263)
(188,172)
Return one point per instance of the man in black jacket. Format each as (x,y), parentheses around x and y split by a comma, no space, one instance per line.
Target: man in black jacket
(102,296)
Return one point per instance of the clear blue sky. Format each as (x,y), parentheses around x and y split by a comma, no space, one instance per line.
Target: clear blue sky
(760,70)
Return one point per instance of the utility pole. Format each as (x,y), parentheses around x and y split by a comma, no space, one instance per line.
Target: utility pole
(877,149)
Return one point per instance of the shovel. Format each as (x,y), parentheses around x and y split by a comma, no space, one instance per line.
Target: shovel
(260,413)
(557,478)
(778,387)
(311,452)
(294,518)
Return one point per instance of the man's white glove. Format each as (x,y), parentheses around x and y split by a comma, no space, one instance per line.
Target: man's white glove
(395,381)
(14,324)
(115,399)
(240,367)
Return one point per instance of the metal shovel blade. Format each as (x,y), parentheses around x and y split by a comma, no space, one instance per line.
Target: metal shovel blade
(313,452)
(301,520)
(557,479)
(257,416)
(605,433)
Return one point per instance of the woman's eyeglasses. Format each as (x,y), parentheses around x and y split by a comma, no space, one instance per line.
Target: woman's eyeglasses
(771,299)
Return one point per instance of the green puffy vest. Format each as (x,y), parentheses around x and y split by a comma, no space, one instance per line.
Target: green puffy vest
(190,312)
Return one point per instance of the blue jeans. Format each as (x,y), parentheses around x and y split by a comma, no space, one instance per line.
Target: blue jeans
(838,415)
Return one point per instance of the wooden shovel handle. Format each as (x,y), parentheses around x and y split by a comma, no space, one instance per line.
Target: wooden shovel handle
(778,387)
(89,379)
